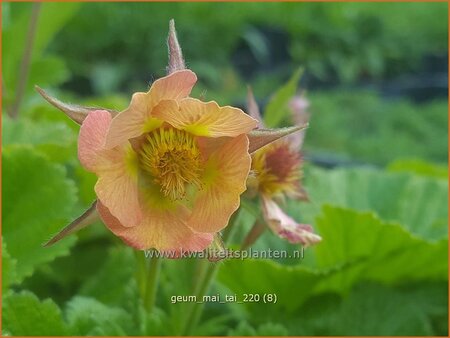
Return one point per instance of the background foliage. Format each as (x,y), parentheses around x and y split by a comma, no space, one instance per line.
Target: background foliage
(376,165)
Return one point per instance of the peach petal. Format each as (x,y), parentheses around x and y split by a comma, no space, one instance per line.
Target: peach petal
(285,227)
(207,118)
(137,118)
(224,181)
(117,186)
(117,182)
(208,145)
(92,136)
(175,86)
(163,230)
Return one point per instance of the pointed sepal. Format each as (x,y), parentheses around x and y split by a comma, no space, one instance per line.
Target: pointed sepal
(259,138)
(176,61)
(74,112)
(87,218)
(252,107)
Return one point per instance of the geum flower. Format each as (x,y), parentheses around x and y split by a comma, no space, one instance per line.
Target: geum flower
(276,174)
(170,168)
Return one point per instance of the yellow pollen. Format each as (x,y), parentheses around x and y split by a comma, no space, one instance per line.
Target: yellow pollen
(172,158)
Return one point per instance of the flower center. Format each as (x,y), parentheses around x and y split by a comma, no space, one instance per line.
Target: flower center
(172,158)
(277,168)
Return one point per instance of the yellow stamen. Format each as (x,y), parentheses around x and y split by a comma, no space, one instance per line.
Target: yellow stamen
(172,158)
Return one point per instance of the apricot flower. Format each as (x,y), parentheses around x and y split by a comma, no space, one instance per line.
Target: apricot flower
(170,168)
(276,174)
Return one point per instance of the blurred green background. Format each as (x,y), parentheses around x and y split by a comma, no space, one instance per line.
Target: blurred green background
(376,164)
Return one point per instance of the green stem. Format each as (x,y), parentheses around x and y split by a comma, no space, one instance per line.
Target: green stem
(141,271)
(152,283)
(202,289)
(209,270)
(26,60)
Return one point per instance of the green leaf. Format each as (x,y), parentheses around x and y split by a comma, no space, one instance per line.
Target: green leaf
(156,323)
(86,182)
(419,167)
(112,291)
(87,316)
(277,108)
(52,17)
(25,315)
(55,139)
(356,246)
(243,329)
(38,201)
(59,280)
(47,71)
(418,203)
(37,133)
(368,311)
(375,310)
(271,329)
(350,127)
(369,248)
(267,277)
(8,269)
(214,326)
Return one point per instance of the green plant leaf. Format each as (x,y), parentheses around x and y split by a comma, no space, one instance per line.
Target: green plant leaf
(214,326)
(271,329)
(38,201)
(418,203)
(55,139)
(8,269)
(419,167)
(47,71)
(112,291)
(253,276)
(242,329)
(375,306)
(369,311)
(87,316)
(25,315)
(37,133)
(86,182)
(356,246)
(59,279)
(156,323)
(350,127)
(371,249)
(277,108)
(52,17)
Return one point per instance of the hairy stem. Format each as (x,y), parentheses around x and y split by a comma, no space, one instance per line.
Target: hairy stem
(141,271)
(26,59)
(209,272)
(152,283)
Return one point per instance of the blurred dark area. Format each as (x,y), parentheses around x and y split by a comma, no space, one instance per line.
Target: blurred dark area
(357,44)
